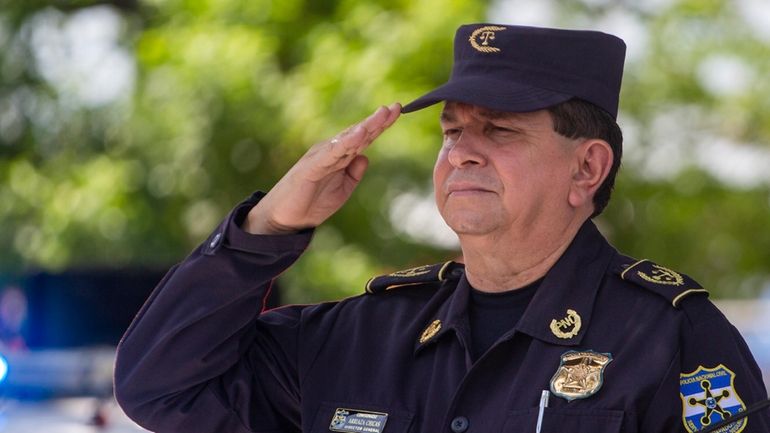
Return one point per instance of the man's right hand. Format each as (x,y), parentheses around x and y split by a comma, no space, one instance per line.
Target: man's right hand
(321,181)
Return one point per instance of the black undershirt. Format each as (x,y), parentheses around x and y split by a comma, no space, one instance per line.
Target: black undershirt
(493,314)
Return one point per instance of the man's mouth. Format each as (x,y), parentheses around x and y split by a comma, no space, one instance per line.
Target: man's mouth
(463,189)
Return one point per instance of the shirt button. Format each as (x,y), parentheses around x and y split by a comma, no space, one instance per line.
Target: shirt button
(459,424)
(214,242)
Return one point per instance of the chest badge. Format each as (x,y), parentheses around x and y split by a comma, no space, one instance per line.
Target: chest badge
(567,327)
(358,421)
(708,397)
(580,374)
(430,331)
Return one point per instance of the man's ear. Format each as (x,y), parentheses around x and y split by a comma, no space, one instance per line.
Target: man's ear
(593,158)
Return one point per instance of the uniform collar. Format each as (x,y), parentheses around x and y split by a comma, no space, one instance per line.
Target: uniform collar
(569,289)
(452,314)
(570,285)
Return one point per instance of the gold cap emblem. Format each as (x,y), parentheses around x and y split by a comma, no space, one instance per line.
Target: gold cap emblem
(567,327)
(482,37)
(580,374)
(430,331)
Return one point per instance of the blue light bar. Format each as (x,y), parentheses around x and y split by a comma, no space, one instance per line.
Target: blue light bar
(3,368)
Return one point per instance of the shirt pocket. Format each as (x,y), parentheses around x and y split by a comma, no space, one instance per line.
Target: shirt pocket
(565,420)
(360,418)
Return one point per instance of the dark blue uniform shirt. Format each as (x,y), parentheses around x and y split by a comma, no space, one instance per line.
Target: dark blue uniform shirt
(623,346)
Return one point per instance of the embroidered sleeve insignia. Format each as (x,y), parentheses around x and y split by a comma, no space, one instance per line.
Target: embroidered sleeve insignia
(409,277)
(668,283)
(661,275)
(708,396)
(580,374)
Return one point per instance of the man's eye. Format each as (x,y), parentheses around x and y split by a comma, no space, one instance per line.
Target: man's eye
(452,132)
(502,129)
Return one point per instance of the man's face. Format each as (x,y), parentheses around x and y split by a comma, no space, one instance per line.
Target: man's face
(501,172)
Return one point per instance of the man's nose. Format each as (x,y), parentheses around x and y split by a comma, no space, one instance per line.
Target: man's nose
(466,151)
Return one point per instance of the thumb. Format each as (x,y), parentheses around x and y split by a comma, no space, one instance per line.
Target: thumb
(357,167)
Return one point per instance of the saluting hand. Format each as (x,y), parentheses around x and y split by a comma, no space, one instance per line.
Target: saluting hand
(321,181)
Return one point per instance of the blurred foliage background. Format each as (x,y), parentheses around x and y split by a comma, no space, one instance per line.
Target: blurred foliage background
(129,128)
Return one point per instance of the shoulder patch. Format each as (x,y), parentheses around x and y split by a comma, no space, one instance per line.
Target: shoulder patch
(709,397)
(409,277)
(670,284)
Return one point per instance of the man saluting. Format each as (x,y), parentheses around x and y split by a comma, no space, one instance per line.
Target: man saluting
(545,328)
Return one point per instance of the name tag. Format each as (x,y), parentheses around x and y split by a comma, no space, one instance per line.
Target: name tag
(358,421)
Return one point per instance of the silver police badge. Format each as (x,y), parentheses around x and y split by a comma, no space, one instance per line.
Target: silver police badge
(580,374)
(708,397)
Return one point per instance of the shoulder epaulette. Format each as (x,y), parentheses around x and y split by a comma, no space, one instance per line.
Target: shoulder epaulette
(409,277)
(670,284)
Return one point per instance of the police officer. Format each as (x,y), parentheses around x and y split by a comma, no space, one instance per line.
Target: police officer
(547,328)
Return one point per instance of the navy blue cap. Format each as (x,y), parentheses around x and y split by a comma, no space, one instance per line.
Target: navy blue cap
(520,69)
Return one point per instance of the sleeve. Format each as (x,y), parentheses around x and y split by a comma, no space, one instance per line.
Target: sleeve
(713,377)
(199,357)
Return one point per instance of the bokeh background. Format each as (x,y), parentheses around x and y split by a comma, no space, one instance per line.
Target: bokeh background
(129,128)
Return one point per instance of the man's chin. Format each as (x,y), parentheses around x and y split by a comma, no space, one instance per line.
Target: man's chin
(470,227)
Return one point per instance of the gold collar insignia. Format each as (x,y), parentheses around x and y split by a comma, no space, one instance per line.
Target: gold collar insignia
(567,327)
(430,331)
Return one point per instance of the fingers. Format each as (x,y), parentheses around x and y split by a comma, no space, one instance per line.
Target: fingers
(344,147)
(380,120)
(375,124)
(352,141)
(322,180)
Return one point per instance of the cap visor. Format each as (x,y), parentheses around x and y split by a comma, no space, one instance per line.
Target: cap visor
(494,94)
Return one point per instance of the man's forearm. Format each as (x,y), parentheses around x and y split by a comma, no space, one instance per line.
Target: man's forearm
(196,323)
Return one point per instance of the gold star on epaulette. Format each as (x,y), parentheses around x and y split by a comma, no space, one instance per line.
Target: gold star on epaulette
(410,277)
(670,284)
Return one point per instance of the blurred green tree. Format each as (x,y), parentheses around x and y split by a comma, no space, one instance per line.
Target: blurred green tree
(225,96)
(694,193)
(128,129)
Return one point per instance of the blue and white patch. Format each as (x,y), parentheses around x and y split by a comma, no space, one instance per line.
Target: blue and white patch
(708,397)
(358,421)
